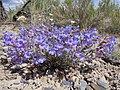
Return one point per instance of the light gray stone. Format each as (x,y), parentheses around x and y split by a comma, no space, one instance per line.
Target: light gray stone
(103,85)
(88,88)
(106,75)
(15,67)
(48,88)
(83,84)
(23,65)
(94,86)
(76,83)
(66,82)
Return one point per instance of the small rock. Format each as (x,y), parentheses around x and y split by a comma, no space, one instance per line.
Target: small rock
(23,65)
(18,78)
(26,72)
(88,88)
(94,86)
(25,88)
(1,52)
(48,88)
(50,76)
(96,62)
(30,66)
(5,47)
(106,75)
(77,83)
(23,81)
(103,79)
(66,82)
(4,59)
(90,79)
(86,63)
(9,59)
(103,85)
(1,44)
(73,78)
(15,67)
(5,54)
(57,85)
(36,84)
(83,84)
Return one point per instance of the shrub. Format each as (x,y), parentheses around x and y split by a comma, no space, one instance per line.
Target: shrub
(63,44)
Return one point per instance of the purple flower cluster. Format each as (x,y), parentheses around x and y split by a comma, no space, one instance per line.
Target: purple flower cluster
(66,42)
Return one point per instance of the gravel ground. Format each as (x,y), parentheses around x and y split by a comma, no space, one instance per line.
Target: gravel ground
(98,75)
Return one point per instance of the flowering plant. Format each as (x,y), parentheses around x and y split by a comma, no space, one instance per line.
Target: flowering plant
(69,44)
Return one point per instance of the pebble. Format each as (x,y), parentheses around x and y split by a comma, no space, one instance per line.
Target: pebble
(96,62)
(66,82)
(26,71)
(26,88)
(106,75)
(36,84)
(1,52)
(88,88)
(9,59)
(50,76)
(5,54)
(5,47)
(103,85)
(83,84)
(57,85)
(76,83)
(3,57)
(23,65)
(73,78)
(94,86)
(90,79)
(103,79)
(16,67)
(48,88)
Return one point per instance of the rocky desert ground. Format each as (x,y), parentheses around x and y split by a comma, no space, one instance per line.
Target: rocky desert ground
(98,75)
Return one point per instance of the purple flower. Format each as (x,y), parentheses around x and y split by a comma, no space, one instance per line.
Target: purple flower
(13,52)
(52,52)
(23,29)
(40,60)
(113,40)
(42,45)
(94,30)
(78,54)
(8,38)
(75,60)
(27,54)
(69,41)
(59,45)
(20,43)
(82,59)
(69,27)
(17,60)
(31,32)
(86,35)
(59,53)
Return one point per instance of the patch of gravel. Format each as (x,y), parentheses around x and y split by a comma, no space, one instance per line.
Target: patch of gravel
(98,75)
